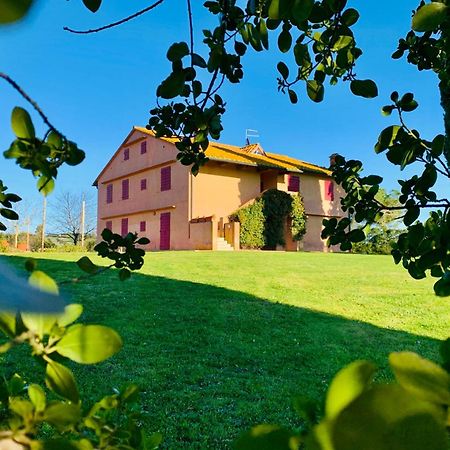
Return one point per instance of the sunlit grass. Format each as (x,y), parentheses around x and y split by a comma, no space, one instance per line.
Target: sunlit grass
(220,341)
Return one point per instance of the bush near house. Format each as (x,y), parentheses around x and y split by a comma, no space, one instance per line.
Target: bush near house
(263,221)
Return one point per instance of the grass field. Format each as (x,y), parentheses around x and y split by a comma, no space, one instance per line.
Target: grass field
(221,341)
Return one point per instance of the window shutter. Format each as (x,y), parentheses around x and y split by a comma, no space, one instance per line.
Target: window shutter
(294,183)
(329,190)
(125,189)
(166,178)
(124,227)
(109,193)
(108,225)
(142,226)
(143,147)
(143,184)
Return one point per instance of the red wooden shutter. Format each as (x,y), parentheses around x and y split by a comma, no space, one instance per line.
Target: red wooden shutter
(166,179)
(125,189)
(294,183)
(143,184)
(329,190)
(126,154)
(108,225)
(124,227)
(142,226)
(143,147)
(109,193)
(164,231)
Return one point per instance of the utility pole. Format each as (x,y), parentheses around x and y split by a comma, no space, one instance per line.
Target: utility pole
(83,212)
(16,235)
(28,221)
(44,214)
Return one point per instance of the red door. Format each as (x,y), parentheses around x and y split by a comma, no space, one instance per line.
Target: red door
(164,231)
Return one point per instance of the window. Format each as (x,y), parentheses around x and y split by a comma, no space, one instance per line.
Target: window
(125,189)
(126,154)
(124,227)
(165,179)
(143,184)
(109,193)
(108,225)
(329,190)
(143,147)
(142,225)
(294,183)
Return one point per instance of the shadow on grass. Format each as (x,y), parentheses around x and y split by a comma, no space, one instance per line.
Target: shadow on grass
(212,362)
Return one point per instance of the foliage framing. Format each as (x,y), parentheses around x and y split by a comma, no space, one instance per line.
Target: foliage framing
(263,221)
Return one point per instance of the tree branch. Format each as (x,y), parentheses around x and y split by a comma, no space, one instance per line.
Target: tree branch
(45,119)
(115,24)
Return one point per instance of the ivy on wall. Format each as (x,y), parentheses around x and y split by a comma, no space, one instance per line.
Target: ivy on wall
(263,221)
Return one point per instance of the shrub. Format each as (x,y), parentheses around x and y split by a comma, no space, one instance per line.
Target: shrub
(251,219)
(263,222)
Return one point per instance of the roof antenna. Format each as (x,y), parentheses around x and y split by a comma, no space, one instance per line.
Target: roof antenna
(250,134)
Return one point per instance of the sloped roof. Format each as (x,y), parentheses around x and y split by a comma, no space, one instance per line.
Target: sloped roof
(217,151)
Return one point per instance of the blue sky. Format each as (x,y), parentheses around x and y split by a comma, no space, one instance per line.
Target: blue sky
(95,88)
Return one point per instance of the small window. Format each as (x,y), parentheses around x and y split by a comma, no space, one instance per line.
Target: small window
(109,193)
(143,184)
(166,179)
(143,147)
(294,183)
(125,189)
(108,225)
(126,154)
(142,225)
(124,227)
(329,190)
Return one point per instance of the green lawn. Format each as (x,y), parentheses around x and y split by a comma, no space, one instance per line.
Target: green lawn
(221,341)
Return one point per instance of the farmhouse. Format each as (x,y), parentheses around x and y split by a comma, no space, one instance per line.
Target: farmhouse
(144,189)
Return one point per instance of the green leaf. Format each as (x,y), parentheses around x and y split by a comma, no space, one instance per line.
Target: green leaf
(43,282)
(86,265)
(13,10)
(45,185)
(349,383)
(37,397)
(172,86)
(177,51)
(411,215)
(30,265)
(364,88)
(62,415)
(9,214)
(421,377)
(8,324)
(388,417)
(268,437)
(283,69)
(92,5)
(386,138)
(292,96)
(89,344)
(21,124)
(284,41)
(429,17)
(315,90)
(442,286)
(278,9)
(70,314)
(350,17)
(153,441)
(60,380)
(356,235)
(301,9)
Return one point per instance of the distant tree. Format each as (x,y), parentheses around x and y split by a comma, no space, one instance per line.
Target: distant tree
(381,235)
(65,217)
